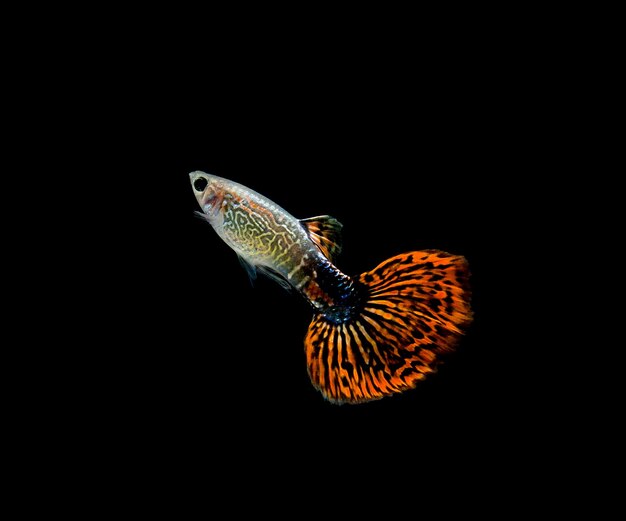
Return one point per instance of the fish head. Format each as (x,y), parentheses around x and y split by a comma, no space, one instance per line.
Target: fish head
(210,191)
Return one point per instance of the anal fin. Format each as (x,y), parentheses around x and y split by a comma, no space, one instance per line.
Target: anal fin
(271,274)
(250,268)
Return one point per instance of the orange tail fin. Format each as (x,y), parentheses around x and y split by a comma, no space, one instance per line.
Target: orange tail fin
(417,306)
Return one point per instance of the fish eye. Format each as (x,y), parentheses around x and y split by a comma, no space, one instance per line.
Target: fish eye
(200,184)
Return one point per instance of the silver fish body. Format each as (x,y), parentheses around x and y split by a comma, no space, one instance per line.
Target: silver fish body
(265,236)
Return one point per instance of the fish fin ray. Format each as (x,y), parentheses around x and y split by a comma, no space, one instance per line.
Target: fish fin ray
(251,269)
(325,232)
(201,215)
(275,276)
(415,309)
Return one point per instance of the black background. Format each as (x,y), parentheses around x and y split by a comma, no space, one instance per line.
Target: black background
(174,365)
(209,350)
(406,160)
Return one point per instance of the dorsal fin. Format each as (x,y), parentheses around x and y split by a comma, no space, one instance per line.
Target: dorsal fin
(325,232)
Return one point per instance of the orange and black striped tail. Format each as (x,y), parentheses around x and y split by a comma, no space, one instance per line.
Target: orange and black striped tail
(416,308)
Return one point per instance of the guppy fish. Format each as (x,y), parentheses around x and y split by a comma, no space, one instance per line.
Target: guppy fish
(372,335)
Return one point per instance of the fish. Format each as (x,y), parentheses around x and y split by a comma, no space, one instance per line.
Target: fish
(372,335)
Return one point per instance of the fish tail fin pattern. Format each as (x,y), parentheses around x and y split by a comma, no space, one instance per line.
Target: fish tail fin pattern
(415,308)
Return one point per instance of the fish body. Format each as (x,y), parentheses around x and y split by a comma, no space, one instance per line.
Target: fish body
(269,239)
(372,335)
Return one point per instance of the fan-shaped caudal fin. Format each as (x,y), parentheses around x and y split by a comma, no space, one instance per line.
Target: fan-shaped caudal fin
(416,308)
